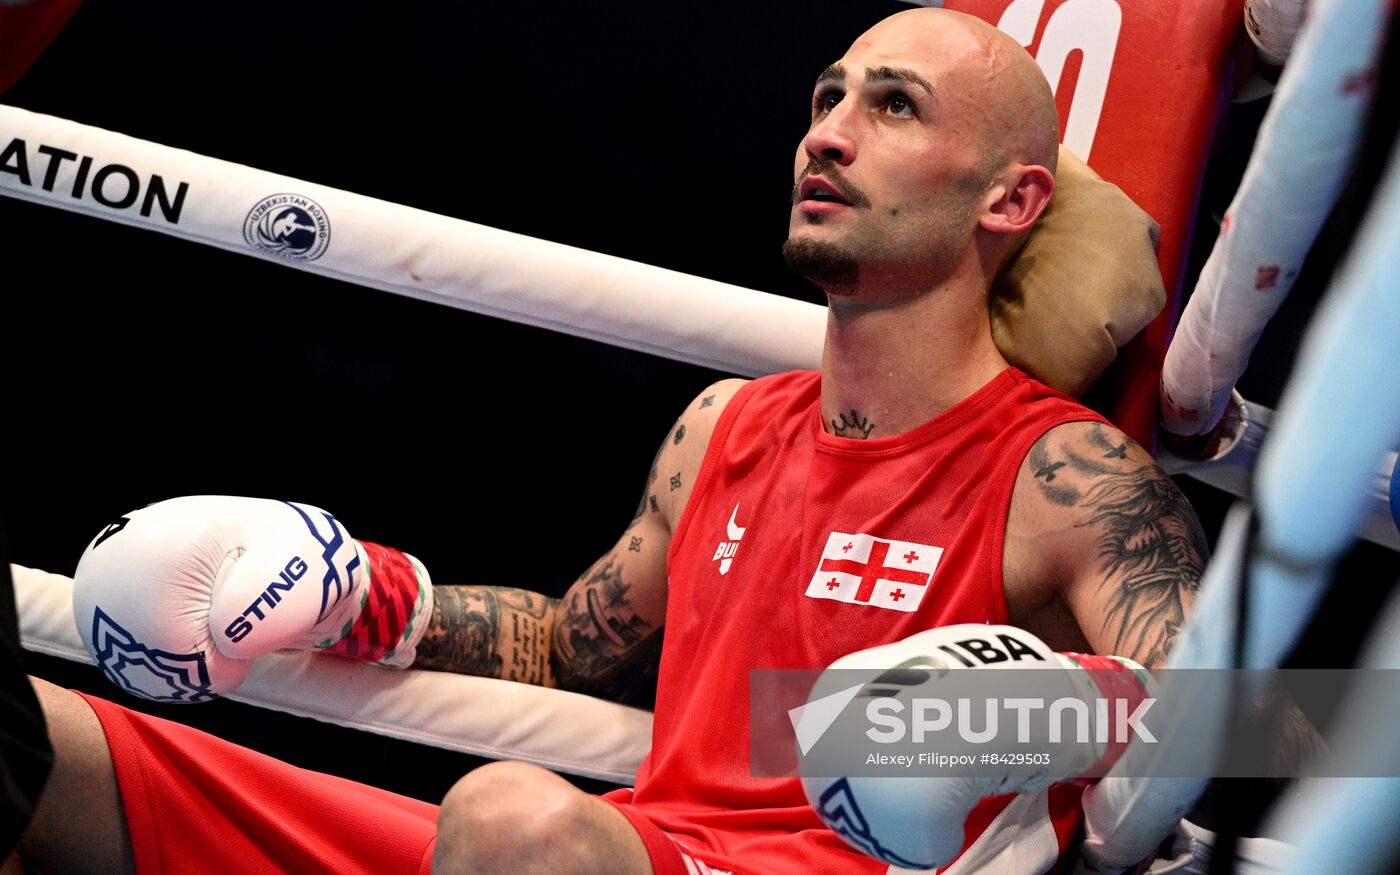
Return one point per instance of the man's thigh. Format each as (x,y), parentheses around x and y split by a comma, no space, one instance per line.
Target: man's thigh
(171,798)
(79,825)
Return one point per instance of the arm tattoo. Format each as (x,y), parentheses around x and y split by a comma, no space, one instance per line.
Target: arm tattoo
(1149,541)
(1111,450)
(1063,495)
(1151,547)
(601,646)
(857,427)
(488,631)
(651,478)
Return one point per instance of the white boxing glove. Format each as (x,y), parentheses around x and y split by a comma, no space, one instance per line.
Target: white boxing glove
(175,600)
(916,822)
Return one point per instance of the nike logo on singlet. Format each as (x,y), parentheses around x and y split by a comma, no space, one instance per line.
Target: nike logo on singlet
(724,553)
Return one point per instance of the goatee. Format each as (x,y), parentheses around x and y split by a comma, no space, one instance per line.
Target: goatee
(827,265)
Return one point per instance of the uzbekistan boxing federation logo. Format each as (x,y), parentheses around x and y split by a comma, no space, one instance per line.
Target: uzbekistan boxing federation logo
(289,225)
(724,553)
(144,671)
(865,570)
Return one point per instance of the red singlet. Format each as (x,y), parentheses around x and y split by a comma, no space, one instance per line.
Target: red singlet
(798,547)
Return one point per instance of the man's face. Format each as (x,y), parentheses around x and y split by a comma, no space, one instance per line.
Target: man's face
(889,177)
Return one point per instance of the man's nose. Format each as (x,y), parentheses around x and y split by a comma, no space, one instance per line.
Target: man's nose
(831,138)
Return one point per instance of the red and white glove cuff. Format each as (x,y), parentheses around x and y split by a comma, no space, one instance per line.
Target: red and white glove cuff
(396,606)
(1120,681)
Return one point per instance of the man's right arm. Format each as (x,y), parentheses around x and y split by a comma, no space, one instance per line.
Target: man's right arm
(604,636)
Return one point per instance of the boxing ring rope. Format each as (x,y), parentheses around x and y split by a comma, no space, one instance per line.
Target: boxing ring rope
(393,248)
(1351,824)
(1231,470)
(481,716)
(1300,162)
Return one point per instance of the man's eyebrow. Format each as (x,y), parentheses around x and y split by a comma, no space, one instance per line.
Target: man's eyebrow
(836,72)
(885,74)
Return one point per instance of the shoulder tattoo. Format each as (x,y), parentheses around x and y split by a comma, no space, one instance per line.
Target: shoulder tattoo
(1151,549)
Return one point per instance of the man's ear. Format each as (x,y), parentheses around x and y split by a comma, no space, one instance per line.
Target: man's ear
(1019,200)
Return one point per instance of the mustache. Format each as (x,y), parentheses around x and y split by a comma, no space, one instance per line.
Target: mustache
(849,191)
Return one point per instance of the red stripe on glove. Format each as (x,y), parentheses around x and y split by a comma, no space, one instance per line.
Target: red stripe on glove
(1115,681)
(393,591)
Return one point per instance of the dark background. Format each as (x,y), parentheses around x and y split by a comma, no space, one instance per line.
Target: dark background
(141,367)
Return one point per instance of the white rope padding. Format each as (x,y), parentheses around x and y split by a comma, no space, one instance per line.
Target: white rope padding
(1231,470)
(398,249)
(1352,824)
(1295,175)
(563,731)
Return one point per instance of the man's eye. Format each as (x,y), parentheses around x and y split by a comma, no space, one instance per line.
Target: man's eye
(901,105)
(826,101)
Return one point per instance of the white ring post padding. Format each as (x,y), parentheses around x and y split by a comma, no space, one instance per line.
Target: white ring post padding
(1295,174)
(563,731)
(1339,414)
(1352,824)
(435,258)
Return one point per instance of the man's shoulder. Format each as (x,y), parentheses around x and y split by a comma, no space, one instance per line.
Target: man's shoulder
(707,406)
(696,424)
(1073,457)
(1082,479)
(768,397)
(1033,392)
(1062,484)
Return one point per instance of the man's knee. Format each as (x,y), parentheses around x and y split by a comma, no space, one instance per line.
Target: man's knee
(515,817)
(503,808)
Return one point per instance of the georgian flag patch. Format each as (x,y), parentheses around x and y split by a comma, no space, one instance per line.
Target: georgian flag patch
(866,570)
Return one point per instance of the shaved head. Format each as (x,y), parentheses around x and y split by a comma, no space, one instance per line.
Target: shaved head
(1016,107)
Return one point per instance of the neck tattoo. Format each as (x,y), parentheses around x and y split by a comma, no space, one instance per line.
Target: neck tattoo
(857,427)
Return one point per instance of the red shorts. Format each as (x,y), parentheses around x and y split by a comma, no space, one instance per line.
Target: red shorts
(196,803)
(669,856)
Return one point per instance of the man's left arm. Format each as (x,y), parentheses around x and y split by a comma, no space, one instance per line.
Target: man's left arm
(1112,536)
